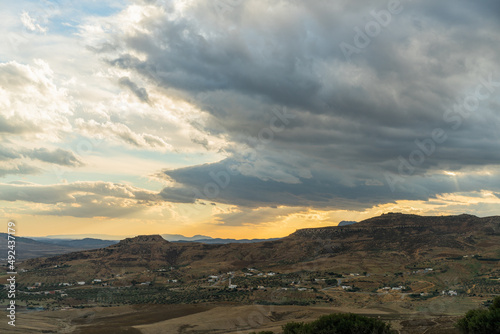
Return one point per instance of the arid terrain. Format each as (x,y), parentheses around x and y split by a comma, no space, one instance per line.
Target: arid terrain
(419,273)
(211,319)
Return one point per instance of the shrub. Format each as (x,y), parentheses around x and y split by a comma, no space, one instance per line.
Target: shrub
(339,324)
(481,321)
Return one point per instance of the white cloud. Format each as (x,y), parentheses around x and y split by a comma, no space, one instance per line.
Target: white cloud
(31,104)
(31,23)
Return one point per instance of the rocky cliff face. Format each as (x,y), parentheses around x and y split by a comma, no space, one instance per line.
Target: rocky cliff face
(407,232)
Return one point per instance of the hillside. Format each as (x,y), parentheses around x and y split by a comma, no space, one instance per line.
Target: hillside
(27,248)
(79,244)
(409,233)
(411,270)
(228,241)
(392,239)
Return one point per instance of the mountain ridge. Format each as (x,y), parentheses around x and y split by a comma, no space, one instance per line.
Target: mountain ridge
(410,236)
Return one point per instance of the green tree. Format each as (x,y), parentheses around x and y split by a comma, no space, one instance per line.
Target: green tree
(339,324)
(331,281)
(481,321)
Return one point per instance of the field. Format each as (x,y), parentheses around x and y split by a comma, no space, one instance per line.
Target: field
(211,318)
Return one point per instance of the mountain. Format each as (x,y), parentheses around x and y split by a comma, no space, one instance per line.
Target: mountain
(410,234)
(391,241)
(87,240)
(169,237)
(80,236)
(179,237)
(27,248)
(228,241)
(346,222)
(85,243)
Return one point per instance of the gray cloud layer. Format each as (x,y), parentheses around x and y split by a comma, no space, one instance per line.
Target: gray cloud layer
(13,165)
(354,116)
(81,199)
(139,92)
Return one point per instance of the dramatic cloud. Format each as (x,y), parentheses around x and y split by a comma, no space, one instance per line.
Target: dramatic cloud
(223,183)
(423,79)
(272,111)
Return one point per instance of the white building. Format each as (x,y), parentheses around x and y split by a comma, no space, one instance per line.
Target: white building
(449,293)
(231,286)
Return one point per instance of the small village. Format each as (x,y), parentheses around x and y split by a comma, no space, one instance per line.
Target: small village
(167,285)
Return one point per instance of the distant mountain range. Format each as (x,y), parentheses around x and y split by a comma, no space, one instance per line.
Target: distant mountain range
(85,243)
(27,248)
(64,239)
(392,240)
(51,245)
(81,236)
(394,232)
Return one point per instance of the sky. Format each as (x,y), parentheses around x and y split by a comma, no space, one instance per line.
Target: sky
(245,118)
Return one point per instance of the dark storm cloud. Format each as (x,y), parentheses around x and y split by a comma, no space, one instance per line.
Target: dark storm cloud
(355,114)
(324,189)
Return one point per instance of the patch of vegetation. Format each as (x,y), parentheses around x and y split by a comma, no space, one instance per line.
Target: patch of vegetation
(339,324)
(418,296)
(481,321)
(331,281)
